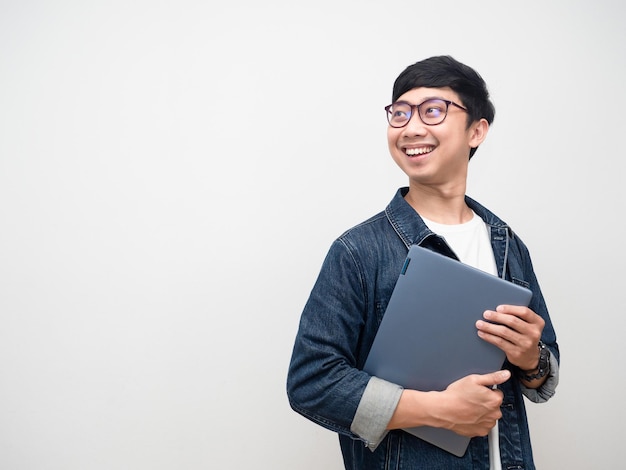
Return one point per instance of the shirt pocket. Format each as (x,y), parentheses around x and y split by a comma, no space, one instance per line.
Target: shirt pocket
(520,282)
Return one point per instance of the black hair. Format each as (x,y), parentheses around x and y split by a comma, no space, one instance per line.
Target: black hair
(445,71)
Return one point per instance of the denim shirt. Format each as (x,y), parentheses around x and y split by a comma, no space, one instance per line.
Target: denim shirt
(326,383)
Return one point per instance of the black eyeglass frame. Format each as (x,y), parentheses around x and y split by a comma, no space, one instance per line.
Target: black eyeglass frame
(416,107)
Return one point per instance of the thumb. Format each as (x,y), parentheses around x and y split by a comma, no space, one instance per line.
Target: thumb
(495,378)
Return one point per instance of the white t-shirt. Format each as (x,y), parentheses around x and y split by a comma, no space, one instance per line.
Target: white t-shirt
(472,245)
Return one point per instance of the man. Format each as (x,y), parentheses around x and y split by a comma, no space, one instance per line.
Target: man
(440,114)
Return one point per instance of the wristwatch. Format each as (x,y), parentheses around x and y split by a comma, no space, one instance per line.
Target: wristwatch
(544,365)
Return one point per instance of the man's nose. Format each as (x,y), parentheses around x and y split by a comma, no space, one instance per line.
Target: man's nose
(415,126)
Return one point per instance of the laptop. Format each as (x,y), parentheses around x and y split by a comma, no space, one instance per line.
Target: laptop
(428,339)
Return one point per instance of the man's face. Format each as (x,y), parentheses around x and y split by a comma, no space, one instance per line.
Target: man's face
(435,155)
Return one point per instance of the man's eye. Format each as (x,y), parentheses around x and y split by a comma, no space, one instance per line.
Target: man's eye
(433,111)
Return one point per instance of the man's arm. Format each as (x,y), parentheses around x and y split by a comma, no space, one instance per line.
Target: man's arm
(469,406)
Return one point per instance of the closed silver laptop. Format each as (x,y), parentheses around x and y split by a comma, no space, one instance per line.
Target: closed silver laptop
(428,339)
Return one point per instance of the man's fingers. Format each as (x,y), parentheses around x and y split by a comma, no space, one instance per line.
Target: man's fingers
(495,378)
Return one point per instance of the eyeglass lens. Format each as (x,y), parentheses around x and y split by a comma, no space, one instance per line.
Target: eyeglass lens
(430,111)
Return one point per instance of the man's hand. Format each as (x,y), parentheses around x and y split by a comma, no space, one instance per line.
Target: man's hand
(472,405)
(516,330)
(469,406)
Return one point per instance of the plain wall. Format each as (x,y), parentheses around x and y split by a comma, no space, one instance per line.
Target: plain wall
(172,174)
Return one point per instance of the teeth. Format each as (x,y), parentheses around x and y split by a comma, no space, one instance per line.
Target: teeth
(419,151)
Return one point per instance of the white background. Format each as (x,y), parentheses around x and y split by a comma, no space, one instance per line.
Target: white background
(172,174)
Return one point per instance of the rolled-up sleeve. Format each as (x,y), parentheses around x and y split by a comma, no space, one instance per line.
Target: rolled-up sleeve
(548,388)
(377,405)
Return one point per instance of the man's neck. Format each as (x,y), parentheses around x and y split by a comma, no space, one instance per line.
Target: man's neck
(444,205)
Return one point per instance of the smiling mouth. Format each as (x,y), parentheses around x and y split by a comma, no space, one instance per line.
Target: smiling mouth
(418,151)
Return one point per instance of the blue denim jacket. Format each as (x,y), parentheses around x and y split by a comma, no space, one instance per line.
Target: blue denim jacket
(339,322)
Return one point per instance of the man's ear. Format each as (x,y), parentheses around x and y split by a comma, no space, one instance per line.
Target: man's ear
(478,132)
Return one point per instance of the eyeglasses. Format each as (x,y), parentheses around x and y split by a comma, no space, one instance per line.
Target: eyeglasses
(432,112)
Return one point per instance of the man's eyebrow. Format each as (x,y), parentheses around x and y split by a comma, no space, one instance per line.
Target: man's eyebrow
(434,98)
(425,99)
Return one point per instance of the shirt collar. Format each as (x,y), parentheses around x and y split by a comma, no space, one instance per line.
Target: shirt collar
(411,228)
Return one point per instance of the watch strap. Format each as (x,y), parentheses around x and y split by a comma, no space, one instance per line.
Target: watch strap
(543,367)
